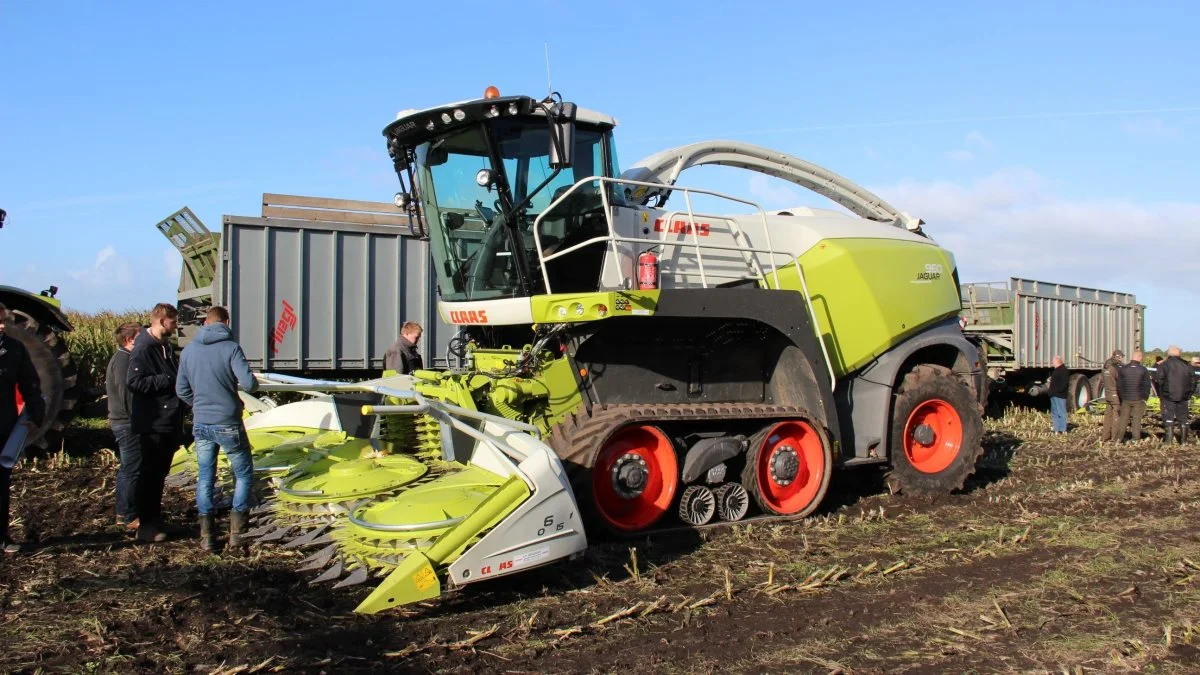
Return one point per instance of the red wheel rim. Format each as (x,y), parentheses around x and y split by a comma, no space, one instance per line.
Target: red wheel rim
(801,440)
(946,431)
(634,512)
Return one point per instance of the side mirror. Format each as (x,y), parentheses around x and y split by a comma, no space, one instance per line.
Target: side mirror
(562,153)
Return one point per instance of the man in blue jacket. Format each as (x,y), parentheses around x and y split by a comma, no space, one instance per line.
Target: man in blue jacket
(211,369)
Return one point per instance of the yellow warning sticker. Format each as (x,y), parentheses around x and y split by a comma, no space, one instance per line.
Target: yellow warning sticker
(645,217)
(424,578)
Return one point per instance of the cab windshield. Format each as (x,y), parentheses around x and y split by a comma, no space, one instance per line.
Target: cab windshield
(478,253)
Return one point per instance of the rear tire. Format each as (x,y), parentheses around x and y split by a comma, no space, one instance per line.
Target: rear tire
(57,377)
(936,434)
(1079,392)
(1097,383)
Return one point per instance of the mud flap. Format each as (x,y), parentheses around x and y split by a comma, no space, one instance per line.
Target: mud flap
(412,581)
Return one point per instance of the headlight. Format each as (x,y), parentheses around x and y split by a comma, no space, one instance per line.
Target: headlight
(483,178)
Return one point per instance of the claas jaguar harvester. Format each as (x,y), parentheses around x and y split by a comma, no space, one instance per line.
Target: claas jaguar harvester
(681,367)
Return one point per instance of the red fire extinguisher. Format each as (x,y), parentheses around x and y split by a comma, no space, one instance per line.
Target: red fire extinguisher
(647,270)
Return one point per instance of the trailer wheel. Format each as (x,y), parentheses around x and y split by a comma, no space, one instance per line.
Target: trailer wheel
(1097,382)
(937,433)
(1079,392)
(56,376)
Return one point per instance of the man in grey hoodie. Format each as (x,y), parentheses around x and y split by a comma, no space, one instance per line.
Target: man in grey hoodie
(211,369)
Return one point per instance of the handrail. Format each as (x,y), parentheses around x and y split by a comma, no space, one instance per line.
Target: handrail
(613,238)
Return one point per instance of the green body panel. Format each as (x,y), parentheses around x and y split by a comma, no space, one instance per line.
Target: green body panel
(580,307)
(869,295)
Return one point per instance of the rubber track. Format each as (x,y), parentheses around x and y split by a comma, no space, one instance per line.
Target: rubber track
(578,438)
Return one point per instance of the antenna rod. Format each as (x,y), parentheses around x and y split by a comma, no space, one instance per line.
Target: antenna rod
(549,86)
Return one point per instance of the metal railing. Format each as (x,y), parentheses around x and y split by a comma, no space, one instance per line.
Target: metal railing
(612,238)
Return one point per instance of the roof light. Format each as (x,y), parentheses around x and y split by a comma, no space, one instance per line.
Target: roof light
(445,118)
(491,92)
(460,115)
(512,108)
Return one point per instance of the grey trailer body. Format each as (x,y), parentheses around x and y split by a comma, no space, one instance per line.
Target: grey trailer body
(1021,325)
(310,292)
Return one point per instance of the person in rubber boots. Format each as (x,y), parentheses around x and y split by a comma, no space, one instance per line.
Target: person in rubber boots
(1112,398)
(156,416)
(1175,385)
(16,374)
(1133,386)
(1060,380)
(211,369)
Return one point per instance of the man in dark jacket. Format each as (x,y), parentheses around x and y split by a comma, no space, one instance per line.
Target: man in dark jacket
(156,416)
(211,370)
(402,356)
(120,402)
(1133,386)
(17,374)
(1175,384)
(1059,384)
(1112,398)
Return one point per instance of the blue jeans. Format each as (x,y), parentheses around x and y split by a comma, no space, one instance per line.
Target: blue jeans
(130,447)
(1058,413)
(233,440)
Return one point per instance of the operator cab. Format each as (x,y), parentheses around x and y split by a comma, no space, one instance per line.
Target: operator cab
(478,174)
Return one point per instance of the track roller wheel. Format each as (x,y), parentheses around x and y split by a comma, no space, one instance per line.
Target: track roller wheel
(788,465)
(635,477)
(697,505)
(732,502)
(936,433)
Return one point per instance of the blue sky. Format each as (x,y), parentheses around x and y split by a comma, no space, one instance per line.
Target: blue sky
(1051,140)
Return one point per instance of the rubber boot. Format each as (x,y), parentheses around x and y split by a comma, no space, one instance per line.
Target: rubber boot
(237,528)
(208,534)
(1184,429)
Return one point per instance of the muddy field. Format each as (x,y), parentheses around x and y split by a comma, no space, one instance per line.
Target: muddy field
(1061,555)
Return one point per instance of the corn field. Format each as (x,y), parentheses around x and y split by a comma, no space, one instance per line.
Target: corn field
(92,343)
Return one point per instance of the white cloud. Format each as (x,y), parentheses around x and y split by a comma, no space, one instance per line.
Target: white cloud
(1012,223)
(978,139)
(772,192)
(109,271)
(960,155)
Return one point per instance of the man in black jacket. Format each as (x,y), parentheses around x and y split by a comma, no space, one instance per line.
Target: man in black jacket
(402,356)
(156,416)
(16,374)
(1175,383)
(120,402)
(1060,379)
(1133,386)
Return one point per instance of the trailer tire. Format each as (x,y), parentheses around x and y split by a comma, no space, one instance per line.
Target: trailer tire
(936,433)
(1079,392)
(1097,383)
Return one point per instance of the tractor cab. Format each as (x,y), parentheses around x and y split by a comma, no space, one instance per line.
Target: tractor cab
(477,176)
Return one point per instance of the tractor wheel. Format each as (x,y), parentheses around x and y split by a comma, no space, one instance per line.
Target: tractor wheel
(1079,392)
(56,374)
(936,435)
(788,465)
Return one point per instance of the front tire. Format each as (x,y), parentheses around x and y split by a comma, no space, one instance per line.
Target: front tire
(936,434)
